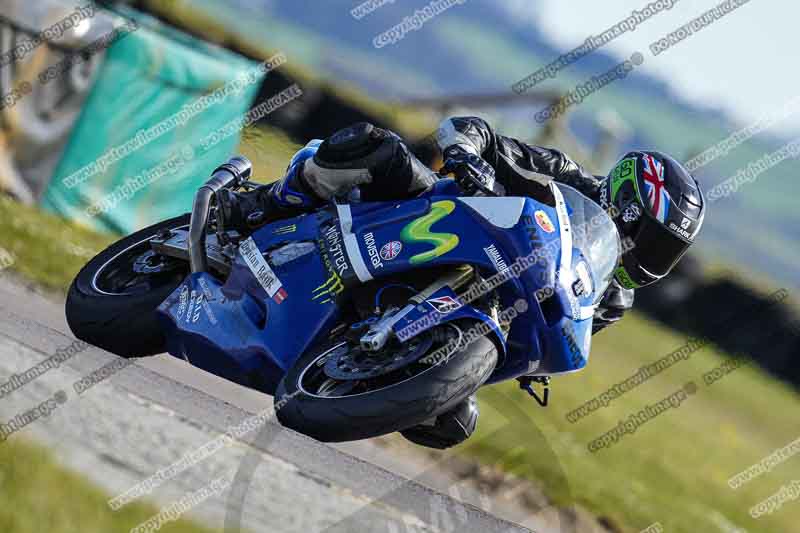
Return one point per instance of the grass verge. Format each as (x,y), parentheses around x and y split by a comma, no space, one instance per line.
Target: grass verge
(673,469)
(38,495)
(44,248)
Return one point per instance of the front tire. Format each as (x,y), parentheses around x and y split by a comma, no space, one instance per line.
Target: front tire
(112,306)
(340,414)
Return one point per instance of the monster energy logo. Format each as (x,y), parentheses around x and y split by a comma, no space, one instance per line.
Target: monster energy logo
(332,287)
(420,231)
(283,230)
(335,249)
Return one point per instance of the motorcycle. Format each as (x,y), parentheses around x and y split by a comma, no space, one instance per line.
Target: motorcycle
(361,318)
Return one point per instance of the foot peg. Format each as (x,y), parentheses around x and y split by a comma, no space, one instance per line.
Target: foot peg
(526,384)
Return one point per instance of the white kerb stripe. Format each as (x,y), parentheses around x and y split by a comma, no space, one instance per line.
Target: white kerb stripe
(351,243)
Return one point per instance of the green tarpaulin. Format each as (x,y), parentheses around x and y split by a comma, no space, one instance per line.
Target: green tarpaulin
(151,129)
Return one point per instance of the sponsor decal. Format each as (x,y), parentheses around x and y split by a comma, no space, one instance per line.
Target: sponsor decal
(624,279)
(682,231)
(631,213)
(578,288)
(334,284)
(625,171)
(183,300)
(193,310)
(280,295)
(390,250)
(196,301)
(209,312)
(444,304)
(544,222)
(329,290)
(419,230)
(656,192)
(576,357)
(372,250)
(537,244)
(335,250)
(604,203)
(206,297)
(261,270)
(206,289)
(495,257)
(533,235)
(283,230)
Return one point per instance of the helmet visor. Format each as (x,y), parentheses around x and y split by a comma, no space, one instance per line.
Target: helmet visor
(656,248)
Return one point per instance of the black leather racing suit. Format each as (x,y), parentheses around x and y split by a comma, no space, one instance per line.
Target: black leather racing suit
(525,170)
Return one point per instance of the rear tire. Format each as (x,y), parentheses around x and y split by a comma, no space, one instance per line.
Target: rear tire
(123,321)
(395,407)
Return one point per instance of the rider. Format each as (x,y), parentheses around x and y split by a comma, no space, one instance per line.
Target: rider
(656,203)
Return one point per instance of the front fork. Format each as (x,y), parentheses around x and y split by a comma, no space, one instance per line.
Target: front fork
(382,330)
(374,332)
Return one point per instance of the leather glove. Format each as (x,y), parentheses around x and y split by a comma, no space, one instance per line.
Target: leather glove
(471,171)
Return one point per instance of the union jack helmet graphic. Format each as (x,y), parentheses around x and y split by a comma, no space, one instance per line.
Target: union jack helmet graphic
(659,209)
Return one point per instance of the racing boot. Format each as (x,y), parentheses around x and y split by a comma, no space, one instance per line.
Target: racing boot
(287,197)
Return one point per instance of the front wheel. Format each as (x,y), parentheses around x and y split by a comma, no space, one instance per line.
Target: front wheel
(341,393)
(113,299)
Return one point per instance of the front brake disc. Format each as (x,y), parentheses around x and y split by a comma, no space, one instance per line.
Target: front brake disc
(351,362)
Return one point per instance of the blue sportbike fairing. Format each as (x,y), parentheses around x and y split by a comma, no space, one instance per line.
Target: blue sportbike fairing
(285,288)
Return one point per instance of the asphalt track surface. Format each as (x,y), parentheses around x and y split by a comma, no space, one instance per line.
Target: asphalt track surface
(146,416)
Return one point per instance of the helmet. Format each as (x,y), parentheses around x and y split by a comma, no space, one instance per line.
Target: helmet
(659,208)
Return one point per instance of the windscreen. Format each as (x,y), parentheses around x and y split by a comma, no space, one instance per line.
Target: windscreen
(595,234)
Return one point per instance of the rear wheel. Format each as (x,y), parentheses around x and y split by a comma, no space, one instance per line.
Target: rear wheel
(113,299)
(340,393)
